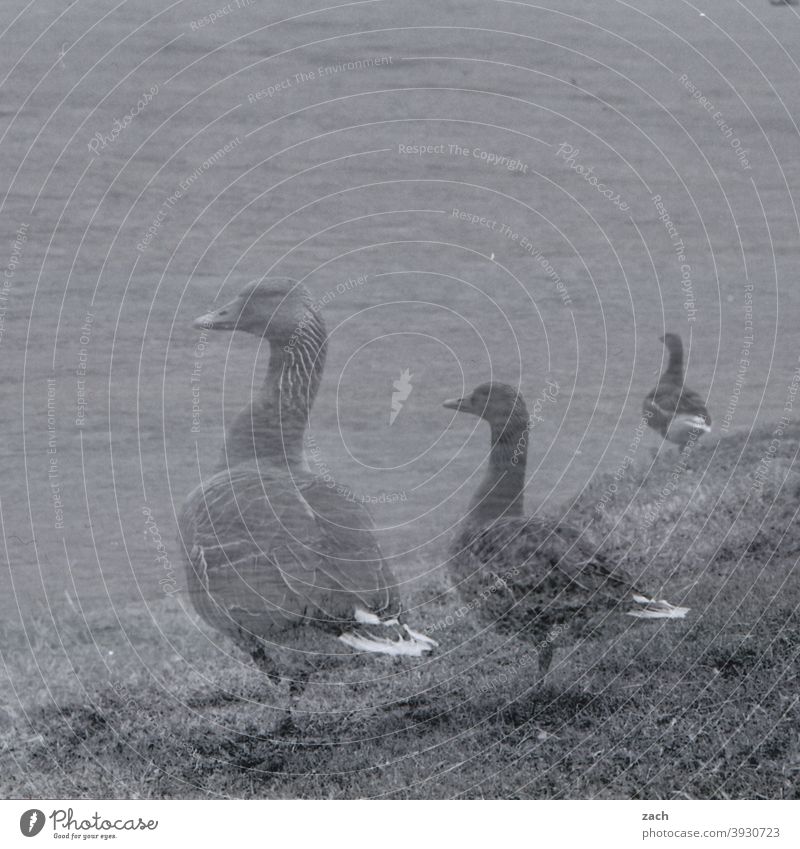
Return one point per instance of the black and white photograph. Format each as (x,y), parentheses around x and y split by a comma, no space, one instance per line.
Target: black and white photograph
(401,401)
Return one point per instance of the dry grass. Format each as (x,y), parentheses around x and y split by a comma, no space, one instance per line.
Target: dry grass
(705,708)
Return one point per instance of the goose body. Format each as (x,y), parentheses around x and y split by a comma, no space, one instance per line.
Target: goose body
(269,547)
(294,552)
(675,411)
(531,575)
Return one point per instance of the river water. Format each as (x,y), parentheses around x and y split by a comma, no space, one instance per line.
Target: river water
(475,191)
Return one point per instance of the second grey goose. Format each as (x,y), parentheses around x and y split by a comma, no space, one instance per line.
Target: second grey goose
(535,577)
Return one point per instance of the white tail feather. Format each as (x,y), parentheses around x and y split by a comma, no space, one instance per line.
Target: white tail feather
(384,645)
(656,609)
(422,638)
(407,642)
(698,422)
(683,425)
(364,617)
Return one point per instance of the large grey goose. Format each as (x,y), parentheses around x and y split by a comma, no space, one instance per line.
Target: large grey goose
(270,548)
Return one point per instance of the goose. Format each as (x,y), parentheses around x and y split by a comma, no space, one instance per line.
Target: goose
(527,574)
(676,412)
(270,548)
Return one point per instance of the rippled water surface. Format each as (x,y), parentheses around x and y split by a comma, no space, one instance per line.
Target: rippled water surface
(424,168)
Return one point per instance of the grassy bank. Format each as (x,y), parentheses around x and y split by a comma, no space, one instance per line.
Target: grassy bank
(706,707)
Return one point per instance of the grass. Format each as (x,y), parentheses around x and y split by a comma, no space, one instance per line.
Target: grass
(702,708)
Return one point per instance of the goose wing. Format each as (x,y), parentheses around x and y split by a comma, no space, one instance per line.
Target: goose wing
(669,400)
(352,558)
(549,563)
(262,558)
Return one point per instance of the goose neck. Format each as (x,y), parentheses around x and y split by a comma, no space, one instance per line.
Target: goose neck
(501,493)
(675,365)
(273,425)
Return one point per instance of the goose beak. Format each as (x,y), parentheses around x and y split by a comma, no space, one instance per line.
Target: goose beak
(204,322)
(456,404)
(224,318)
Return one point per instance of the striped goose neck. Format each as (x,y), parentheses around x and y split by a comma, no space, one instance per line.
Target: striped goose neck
(272,426)
(295,370)
(502,490)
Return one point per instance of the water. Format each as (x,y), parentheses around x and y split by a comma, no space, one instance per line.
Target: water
(155,161)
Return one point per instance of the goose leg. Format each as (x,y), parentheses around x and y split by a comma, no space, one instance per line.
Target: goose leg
(545,658)
(288,726)
(263,661)
(297,686)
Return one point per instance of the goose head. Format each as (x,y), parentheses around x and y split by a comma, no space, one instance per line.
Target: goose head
(275,308)
(672,342)
(498,403)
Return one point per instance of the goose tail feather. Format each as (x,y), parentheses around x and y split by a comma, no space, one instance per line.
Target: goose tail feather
(386,636)
(651,608)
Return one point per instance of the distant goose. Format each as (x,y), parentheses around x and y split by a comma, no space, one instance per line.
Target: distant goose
(269,546)
(527,574)
(676,412)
